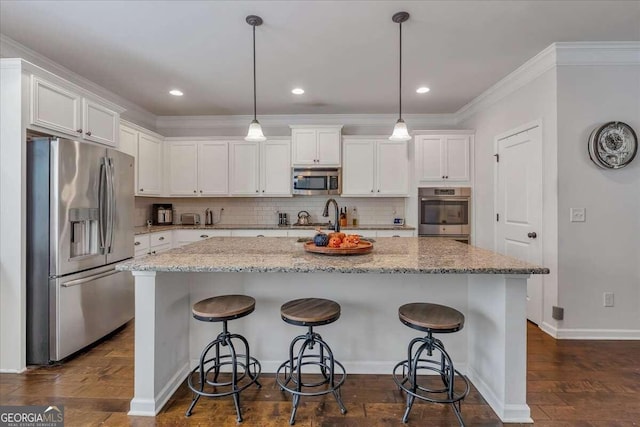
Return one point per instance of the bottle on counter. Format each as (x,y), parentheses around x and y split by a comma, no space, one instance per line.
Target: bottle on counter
(354,217)
(343,217)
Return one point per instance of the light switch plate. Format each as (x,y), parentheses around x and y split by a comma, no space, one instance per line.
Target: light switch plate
(578,214)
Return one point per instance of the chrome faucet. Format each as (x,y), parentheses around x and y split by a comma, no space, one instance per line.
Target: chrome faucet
(325,212)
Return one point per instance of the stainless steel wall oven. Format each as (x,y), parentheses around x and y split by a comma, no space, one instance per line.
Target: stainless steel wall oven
(445,212)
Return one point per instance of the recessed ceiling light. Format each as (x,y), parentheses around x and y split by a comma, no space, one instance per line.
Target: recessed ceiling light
(297,91)
(423,89)
(176,92)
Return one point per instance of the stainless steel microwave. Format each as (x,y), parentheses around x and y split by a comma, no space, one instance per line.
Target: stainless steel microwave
(312,182)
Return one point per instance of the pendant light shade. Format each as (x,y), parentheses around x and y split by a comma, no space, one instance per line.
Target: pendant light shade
(400,132)
(255,130)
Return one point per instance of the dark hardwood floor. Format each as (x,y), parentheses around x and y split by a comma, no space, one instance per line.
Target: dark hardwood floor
(570,383)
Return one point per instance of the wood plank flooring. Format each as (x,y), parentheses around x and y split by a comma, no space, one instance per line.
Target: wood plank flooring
(570,383)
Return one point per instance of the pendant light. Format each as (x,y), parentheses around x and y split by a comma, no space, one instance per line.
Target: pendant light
(255,130)
(400,132)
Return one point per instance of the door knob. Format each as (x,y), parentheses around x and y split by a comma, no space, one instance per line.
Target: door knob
(532,235)
(89,133)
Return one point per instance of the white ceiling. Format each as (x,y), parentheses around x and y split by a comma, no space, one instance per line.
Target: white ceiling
(343,53)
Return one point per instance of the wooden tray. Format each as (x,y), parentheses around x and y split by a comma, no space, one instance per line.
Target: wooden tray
(363,248)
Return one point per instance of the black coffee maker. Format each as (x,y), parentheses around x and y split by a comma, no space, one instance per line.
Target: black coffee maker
(162,214)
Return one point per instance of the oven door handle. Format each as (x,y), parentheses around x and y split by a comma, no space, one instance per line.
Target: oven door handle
(445,199)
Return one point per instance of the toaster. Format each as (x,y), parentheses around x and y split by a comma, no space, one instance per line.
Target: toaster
(190,218)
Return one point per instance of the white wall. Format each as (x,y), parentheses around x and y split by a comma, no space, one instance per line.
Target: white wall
(603,253)
(535,100)
(12,219)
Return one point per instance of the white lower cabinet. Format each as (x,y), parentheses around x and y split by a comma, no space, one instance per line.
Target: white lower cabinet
(152,243)
(259,233)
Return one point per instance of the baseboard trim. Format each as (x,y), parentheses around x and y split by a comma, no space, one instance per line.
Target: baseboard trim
(597,334)
(506,413)
(12,371)
(151,407)
(549,329)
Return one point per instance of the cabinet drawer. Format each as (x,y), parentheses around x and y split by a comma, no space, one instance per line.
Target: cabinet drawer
(160,248)
(141,244)
(162,238)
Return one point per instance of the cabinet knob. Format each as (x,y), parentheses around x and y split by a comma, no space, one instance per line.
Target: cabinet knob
(378,190)
(88,133)
(442,176)
(160,238)
(137,243)
(260,235)
(446,177)
(142,189)
(532,235)
(200,191)
(372,190)
(79,130)
(256,191)
(204,236)
(263,191)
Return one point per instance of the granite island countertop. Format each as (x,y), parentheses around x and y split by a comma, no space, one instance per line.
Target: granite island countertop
(421,255)
(144,229)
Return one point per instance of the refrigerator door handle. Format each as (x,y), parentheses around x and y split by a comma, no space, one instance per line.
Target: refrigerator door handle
(102,190)
(111,201)
(89,279)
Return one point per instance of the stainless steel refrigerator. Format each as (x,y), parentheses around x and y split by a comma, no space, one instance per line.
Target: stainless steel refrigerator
(80,200)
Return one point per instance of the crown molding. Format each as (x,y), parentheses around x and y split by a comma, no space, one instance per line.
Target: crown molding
(598,53)
(10,48)
(286,120)
(526,73)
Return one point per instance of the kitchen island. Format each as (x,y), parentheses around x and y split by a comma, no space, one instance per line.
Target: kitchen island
(489,289)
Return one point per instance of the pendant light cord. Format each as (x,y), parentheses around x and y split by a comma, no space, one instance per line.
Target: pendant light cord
(400,80)
(255,115)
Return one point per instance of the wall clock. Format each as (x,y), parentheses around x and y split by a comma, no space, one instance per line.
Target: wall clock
(613,145)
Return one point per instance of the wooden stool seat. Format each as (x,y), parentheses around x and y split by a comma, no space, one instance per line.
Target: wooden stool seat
(431,317)
(310,311)
(224,307)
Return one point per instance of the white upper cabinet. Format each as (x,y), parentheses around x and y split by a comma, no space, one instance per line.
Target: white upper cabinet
(260,168)
(275,170)
(443,158)
(213,168)
(66,111)
(317,146)
(244,161)
(375,167)
(147,151)
(149,165)
(198,168)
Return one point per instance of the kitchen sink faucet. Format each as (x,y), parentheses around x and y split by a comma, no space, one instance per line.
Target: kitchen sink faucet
(325,212)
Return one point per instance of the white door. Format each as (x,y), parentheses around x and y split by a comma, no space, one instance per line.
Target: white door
(55,108)
(183,168)
(245,168)
(519,206)
(305,149)
(328,147)
(457,158)
(213,168)
(430,158)
(100,123)
(276,168)
(149,162)
(392,168)
(358,175)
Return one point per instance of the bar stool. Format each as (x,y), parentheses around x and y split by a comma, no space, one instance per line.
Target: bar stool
(430,318)
(310,312)
(222,309)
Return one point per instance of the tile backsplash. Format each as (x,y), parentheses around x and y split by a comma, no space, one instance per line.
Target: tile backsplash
(264,210)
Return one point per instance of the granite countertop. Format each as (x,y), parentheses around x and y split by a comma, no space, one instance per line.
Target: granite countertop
(423,255)
(156,228)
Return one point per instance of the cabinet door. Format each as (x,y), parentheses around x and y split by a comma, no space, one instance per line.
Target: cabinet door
(328,147)
(457,158)
(183,168)
(100,124)
(358,169)
(149,164)
(55,108)
(128,143)
(392,168)
(245,168)
(430,159)
(213,168)
(304,147)
(276,168)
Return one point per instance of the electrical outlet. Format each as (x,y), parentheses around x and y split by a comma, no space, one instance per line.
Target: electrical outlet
(578,214)
(607,299)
